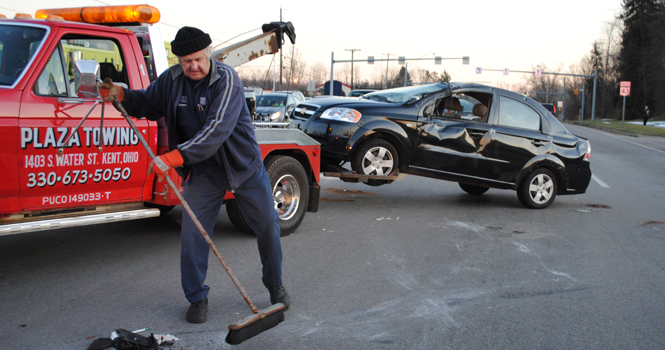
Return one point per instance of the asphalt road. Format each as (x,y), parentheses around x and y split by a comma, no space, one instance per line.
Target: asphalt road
(417,264)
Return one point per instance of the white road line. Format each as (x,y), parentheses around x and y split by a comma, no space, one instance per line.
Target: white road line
(599,181)
(634,143)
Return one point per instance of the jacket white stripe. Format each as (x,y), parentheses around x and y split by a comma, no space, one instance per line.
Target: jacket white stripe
(219,117)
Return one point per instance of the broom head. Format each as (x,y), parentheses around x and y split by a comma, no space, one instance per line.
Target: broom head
(255,324)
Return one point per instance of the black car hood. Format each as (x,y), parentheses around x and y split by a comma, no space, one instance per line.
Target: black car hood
(327,102)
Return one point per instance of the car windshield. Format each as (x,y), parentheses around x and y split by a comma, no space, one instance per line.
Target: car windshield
(405,95)
(272,100)
(18,45)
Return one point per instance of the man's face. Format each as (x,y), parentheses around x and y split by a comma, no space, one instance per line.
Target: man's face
(195,66)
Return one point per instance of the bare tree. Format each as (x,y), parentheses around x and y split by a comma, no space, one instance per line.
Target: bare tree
(319,73)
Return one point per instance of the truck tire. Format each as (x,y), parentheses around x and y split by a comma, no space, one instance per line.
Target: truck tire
(290,189)
(235,215)
(163,209)
(375,157)
(538,190)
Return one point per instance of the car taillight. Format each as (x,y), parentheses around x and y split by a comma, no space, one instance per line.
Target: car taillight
(587,157)
(553,106)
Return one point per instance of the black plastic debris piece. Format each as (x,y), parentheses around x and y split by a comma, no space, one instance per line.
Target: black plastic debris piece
(101,344)
(127,340)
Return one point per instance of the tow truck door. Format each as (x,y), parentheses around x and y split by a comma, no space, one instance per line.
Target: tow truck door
(99,165)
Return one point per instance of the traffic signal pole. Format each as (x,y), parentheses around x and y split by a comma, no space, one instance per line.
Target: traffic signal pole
(594,76)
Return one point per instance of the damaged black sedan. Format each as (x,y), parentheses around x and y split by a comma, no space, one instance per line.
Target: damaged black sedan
(479,136)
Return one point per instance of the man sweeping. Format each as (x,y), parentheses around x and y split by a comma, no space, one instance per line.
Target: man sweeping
(212,145)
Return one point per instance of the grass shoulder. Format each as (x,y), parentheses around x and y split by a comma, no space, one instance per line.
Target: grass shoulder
(616,125)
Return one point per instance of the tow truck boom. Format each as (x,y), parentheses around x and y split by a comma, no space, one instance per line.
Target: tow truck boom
(268,43)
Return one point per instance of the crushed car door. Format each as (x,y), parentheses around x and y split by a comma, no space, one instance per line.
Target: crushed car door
(453,137)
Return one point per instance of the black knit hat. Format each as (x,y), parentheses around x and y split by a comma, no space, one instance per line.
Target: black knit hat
(189,40)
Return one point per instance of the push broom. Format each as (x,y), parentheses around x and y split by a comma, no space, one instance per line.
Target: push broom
(259,320)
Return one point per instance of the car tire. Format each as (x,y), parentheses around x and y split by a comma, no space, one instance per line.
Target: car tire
(538,189)
(290,189)
(375,157)
(473,189)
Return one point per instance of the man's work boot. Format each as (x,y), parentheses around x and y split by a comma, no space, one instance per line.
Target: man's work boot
(279,295)
(198,311)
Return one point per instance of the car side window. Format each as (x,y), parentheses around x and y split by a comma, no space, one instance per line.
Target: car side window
(51,81)
(514,113)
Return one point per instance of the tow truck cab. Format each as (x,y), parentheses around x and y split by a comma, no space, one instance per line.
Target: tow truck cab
(61,163)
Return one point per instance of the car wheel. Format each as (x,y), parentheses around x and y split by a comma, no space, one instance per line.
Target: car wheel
(538,190)
(375,157)
(290,189)
(473,189)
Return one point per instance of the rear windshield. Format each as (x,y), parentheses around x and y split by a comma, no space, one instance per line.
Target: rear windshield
(18,45)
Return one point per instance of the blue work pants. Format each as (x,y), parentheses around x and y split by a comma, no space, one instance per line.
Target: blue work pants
(205,195)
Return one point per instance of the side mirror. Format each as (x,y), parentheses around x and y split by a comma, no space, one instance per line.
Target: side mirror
(86,75)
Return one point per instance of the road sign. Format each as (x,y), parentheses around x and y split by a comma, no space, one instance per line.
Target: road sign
(465,60)
(401,60)
(370,59)
(538,73)
(479,70)
(437,60)
(624,89)
(506,71)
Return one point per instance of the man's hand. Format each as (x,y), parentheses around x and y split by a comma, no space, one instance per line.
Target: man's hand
(166,161)
(108,90)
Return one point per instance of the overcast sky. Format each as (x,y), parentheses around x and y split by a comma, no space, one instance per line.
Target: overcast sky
(514,34)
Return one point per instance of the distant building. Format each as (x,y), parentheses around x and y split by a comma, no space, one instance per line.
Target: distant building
(339,88)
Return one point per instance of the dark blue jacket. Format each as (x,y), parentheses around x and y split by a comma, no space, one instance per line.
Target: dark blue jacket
(228,134)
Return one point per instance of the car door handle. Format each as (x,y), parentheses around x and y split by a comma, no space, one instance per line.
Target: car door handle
(537,143)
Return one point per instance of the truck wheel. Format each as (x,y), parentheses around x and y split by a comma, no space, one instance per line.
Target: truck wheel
(473,189)
(163,209)
(290,190)
(375,157)
(538,190)
(236,217)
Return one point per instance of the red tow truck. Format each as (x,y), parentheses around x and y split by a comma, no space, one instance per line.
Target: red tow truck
(68,160)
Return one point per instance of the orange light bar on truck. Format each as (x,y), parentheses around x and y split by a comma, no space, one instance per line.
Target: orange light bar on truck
(105,14)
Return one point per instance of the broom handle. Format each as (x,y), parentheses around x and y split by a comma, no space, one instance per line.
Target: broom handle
(196,221)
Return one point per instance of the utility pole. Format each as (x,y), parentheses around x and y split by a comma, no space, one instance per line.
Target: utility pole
(280,54)
(387,54)
(352,51)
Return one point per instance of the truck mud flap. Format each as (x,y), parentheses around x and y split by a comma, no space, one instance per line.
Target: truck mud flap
(314,193)
(352,176)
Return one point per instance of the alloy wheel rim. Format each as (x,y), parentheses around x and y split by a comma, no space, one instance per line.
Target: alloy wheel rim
(286,196)
(376,160)
(541,189)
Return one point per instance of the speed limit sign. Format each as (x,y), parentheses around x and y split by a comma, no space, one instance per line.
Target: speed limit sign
(624,88)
